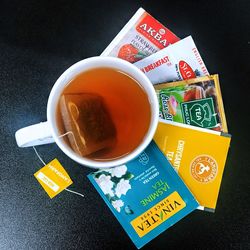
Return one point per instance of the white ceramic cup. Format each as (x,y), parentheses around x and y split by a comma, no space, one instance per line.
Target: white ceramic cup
(47,132)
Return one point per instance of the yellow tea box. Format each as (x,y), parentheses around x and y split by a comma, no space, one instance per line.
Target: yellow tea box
(198,155)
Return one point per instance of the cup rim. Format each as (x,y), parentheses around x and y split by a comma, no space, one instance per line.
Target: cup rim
(78,67)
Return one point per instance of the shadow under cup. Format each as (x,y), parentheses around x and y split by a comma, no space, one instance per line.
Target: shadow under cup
(129,99)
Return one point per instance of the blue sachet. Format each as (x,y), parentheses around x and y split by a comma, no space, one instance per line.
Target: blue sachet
(146,195)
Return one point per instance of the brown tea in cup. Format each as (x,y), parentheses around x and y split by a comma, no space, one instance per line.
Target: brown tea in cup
(107,113)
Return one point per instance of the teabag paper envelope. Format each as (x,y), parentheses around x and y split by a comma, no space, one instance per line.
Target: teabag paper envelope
(177,62)
(197,102)
(142,36)
(198,155)
(146,195)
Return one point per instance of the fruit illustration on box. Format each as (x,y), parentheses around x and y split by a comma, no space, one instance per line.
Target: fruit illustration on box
(194,93)
(172,105)
(131,54)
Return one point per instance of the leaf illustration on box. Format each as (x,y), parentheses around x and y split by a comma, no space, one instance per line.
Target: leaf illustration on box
(128,210)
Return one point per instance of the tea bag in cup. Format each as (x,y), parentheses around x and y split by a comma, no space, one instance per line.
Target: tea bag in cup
(87,117)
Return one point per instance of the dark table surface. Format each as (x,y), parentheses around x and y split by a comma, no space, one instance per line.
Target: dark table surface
(38,41)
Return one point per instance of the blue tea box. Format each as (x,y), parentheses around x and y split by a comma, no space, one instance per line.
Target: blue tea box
(146,195)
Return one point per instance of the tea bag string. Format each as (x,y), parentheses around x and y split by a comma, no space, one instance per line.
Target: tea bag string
(40,158)
(70,133)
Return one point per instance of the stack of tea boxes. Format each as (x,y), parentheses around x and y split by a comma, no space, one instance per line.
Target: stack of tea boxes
(192,134)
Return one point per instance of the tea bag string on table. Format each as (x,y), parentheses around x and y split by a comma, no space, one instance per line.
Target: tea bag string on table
(40,158)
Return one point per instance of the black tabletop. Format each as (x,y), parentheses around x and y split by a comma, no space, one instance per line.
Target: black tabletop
(38,41)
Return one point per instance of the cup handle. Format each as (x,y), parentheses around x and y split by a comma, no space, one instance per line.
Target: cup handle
(34,135)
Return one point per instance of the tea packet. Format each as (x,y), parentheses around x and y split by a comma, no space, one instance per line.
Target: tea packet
(198,156)
(88,122)
(146,195)
(177,62)
(197,102)
(142,36)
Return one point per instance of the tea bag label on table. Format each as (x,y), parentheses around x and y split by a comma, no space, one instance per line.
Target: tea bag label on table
(146,195)
(142,36)
(53,178)
(177,62)
(198,156)
(197,102)
(87,119)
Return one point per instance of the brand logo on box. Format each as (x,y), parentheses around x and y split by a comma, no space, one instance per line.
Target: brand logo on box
(186,71)
(143,158)
(155,32)
(204,168)
(157,214)
(200,113)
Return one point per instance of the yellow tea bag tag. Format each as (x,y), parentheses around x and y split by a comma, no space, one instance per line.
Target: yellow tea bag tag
(53,178)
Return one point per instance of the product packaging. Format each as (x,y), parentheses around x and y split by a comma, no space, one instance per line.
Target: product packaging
(197,102)
(198,155)
(146,195)
(142,36)
(177,62)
